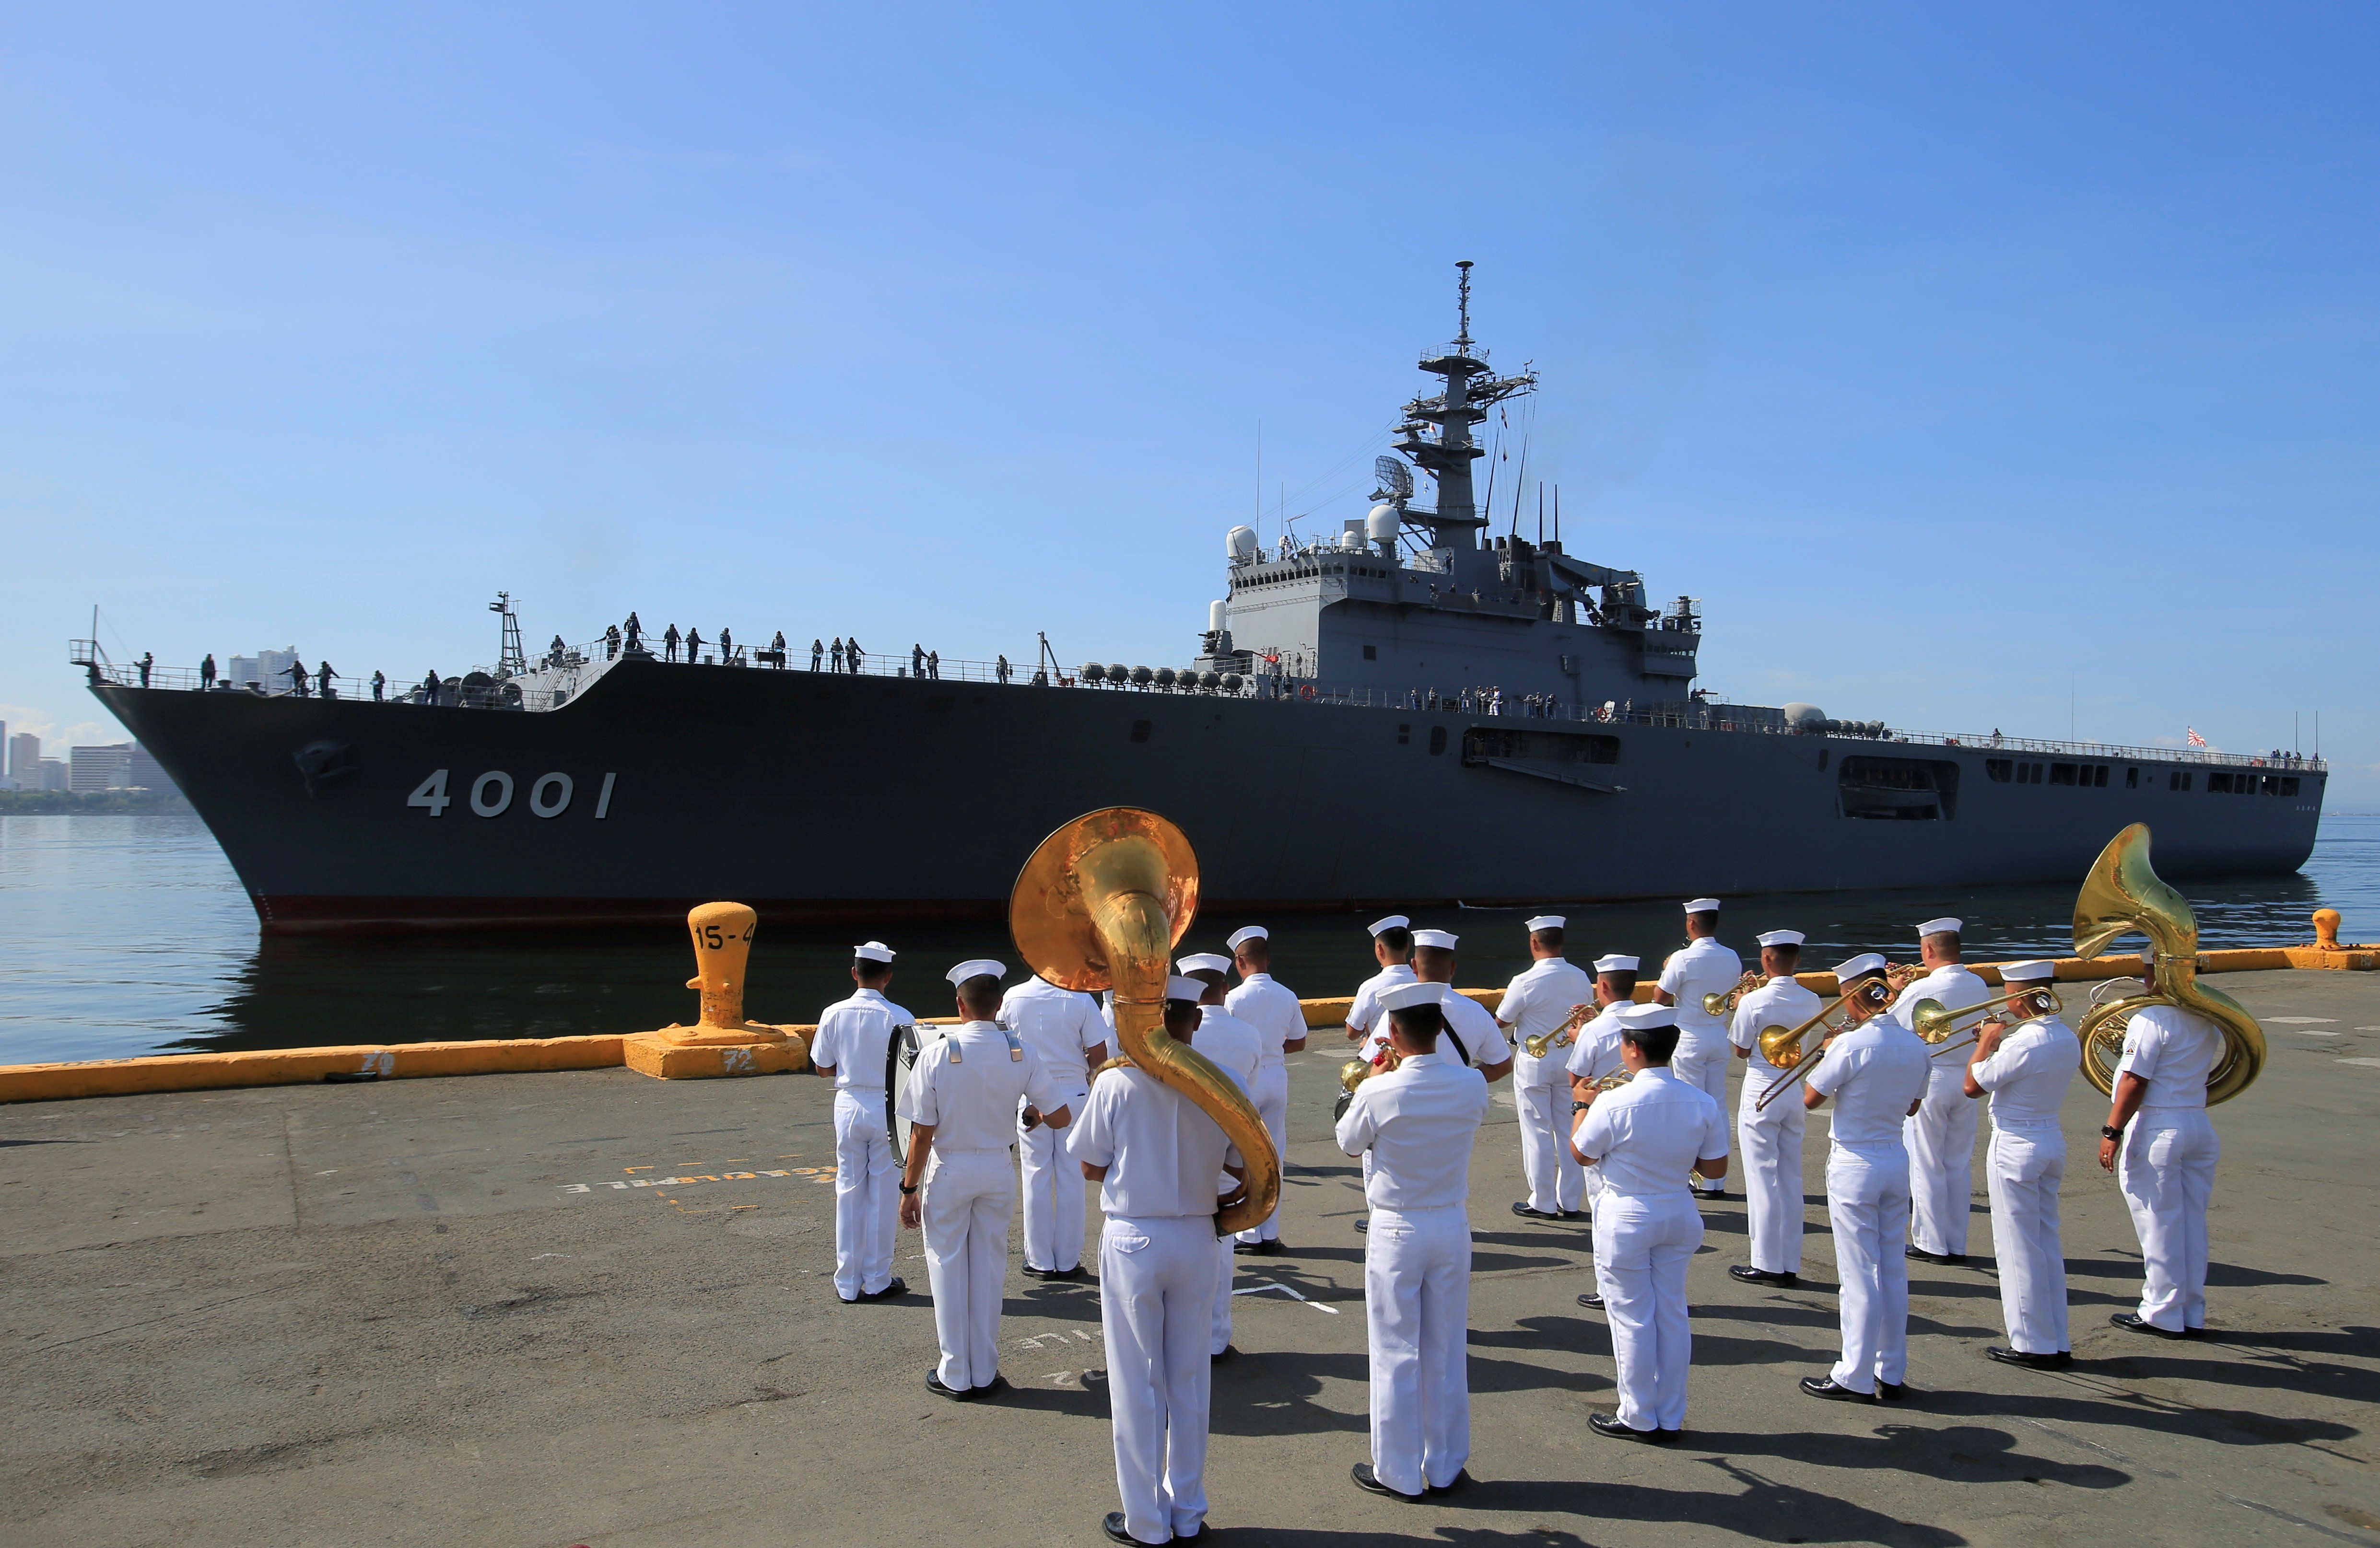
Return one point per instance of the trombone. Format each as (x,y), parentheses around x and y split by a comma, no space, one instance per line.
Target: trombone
(1933,1024)
(1723,1004)
(1780,1043)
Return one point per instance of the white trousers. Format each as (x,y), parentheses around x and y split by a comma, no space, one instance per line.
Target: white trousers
(1051,1181)
(2165,1167)
(1219,1326)
(1271,1097)
(1416,1324)
(2025,1168)
(1940,1137)
(1642,1246)
(1556,1179)
(968,1195)
(1704,1067)
(1867,1205)
(1156,1278)
(867,1197)
(1768,1149)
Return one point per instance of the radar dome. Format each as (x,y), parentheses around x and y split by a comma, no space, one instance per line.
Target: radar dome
(1806,716)
(1240,543)
(1381,526)
(1218,614)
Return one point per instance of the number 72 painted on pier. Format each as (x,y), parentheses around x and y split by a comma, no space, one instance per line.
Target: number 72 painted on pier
(491,794)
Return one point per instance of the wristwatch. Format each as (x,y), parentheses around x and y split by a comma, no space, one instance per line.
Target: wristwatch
(2108,1132)
(1577,1106)
(906,1189)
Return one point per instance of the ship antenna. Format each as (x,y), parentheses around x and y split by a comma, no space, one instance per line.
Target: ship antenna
(1463,266)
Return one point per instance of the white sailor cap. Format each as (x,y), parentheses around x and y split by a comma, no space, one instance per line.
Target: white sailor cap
(1547,922)
(872,952)
(1442,939)
(1866,962)
(1781,938)
(1205,962)
(1242,937)
(1702,905)
(1179,987)
(2028,972)
(1652,1013)
(1404,997)
(1940,927)
(975,968)
(1616,964)
(1393,922)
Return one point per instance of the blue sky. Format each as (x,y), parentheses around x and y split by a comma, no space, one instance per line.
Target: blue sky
(2008,368)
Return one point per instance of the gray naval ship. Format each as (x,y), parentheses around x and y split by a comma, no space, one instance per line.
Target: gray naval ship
(1411,712)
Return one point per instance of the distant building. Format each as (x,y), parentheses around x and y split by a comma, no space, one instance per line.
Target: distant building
(143,772)
(25,759)
(241,670)
(97,769)
(54,775)
(268,669)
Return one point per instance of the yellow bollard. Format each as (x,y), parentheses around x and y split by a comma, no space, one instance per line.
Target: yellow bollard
(720,1042)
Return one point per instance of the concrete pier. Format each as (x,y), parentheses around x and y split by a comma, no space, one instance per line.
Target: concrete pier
(590,1307)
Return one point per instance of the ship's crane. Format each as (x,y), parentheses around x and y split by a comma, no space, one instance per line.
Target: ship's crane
(512,657)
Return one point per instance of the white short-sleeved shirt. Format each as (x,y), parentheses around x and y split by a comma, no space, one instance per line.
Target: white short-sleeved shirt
(1536,1002)
(1874,1072)
(1471,1022)
(971,1100)
(1161,1151)
(1702,967)
(851,1038)
(2029,1072)
(1418,1120)
(2174,1050)
(1596,1054)
(1273,1009)
(1647,1135)
(1060,1025)
(1949,986)
(1780,1002)
(1231,1043)
(1365,1016)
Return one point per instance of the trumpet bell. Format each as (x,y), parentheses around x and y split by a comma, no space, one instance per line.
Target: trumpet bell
(1777,1044)
(1714,1004)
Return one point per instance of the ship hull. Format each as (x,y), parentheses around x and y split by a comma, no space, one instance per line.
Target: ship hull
(821,797)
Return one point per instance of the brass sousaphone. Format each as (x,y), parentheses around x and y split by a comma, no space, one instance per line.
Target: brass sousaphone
(1099,906)
(2122,894)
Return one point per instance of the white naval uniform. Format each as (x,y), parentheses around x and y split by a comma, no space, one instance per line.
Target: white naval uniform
(851,1039)
(1237,1049)
(1156,1286)
(1872,1073)
(967,1084)
(1940,1138)
(1702,967)
(1370,1024)
(2027,1076)
(1538,1001)
(1063,1027)
(1474,1027)
(1645,1136)
(2166,1165)
(1273,1009)
(1770,1141)
(1418,1121)
(1594,1057)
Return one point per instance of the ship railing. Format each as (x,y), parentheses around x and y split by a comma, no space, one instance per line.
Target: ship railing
(2109,752)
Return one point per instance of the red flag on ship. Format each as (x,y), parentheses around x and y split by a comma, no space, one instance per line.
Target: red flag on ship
(2196,739)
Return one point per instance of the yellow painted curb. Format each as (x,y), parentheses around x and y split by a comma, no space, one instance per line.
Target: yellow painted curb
(654,1053)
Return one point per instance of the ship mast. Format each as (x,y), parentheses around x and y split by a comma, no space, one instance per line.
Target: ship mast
(1437,431)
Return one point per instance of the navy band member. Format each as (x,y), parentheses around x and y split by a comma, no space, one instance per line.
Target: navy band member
(1418,1123)
(962,1098)
(2027,1073)
(1273,1009)
(1156,1155)
(2163,1151)
(1876,1071)
(1474,1038)
(1393,947)
(1236,1049)
(1940,1136)
(1065,1030)
(848,1049)
(1770,1140)
(1595,1057)
(1645,1137)
(1702,966)
(1537,1002)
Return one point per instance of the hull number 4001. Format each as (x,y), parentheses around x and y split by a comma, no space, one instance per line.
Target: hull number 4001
(490,795)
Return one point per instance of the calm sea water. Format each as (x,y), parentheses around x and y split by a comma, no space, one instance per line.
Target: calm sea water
(128,935)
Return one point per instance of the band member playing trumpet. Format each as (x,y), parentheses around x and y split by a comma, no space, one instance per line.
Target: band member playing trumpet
(1418,1121)
(1594,1047)
(1704,967)
(1876,1069)
(2027,1073)
(1393,948)
(1769,1139)
(2163,1151)
(1940,1136)
(1535,1004)
(1478,1041)
(1645,1137)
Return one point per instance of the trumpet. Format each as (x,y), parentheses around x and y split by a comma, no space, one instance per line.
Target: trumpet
(1561,1036)
(1723,1004)
(1933,1024)
(1780,1043)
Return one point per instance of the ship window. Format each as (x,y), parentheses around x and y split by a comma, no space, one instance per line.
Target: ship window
(1404,734)
(2288,785)
(2061,773)
(1822,760)
(1481,743)
(1140,730)
(1371,653)
(2131,779)
(1898,790)
(2178,779)
(1998,770)
(2218,782)
(1437,739)
(2099,776)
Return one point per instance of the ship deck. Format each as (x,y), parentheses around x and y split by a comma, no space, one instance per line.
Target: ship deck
(385,1313)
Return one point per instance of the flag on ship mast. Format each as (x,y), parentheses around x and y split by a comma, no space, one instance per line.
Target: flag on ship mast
(2196,739)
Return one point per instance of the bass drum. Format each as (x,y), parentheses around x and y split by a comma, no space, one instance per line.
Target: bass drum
(900,1051)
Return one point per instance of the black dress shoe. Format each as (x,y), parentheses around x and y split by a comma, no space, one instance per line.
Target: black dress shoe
(1670,1437)
(2132,1321)
(1923,1256)
(1195,1534)
(993,1388)
(2019,1357)
(1752,1276)
(2193,1333)
(1611,1424)
(1031,1272)
(1824,1386)
(1711,1195)
(893,1287)
(1461,1480)
(1270,1249)
(1062,1275)
(934,1384)
(1112,1524)
(1229,1352)
(1592,1302)
(1893,1392)
(1525,1212)
(1572,1215)
(1362,1473)
(1364,1223)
